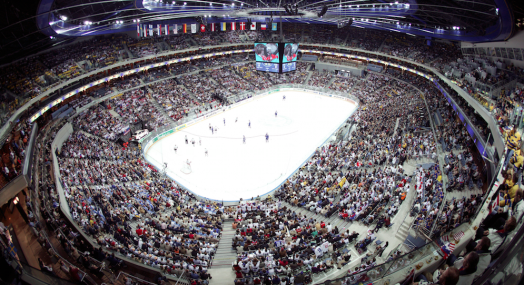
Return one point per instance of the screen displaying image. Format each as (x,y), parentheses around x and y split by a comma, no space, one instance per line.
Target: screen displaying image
(265,66)
(266,52)
(290,66)
(290,52)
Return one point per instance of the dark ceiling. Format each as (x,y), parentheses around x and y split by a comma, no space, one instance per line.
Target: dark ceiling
(20,35)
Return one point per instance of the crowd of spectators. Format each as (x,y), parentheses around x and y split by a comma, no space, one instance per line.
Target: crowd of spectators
(320,79)
(134,106)
(128,208)
(228,78)
(256,78)
(142,47)
(98,121)
(122,202)
(174,98)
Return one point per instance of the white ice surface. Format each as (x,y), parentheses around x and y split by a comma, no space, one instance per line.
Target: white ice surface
(234,170)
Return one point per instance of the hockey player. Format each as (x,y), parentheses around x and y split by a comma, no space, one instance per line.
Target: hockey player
(244,140)
(199,141)
(176,147)
(236,119)
(284,97)
(206,152)
(186,139)
(224,121)
(267,137)
(249,124)
(275,114)
(193,142)
(212,131)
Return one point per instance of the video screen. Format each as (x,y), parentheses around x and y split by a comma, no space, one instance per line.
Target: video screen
(290,66)
(266,66)
(266,52)
(290,52)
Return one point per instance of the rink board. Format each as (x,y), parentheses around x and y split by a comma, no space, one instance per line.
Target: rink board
(235,170)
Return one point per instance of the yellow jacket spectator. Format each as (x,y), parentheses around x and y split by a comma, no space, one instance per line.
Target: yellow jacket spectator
(517,160)
(513,139)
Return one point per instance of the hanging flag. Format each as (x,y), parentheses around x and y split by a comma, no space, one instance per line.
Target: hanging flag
(253,26)
(213,27)
(175,30)
(275,25)
(202,28)
(167,29)
(233,26)
(159,29)
(242,26)
(263,27)
(145,31)
(223,26)
(138,29)
(193,28)
(185,28)
(151,30)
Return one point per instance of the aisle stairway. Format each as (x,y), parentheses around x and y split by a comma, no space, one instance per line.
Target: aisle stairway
(225,255)
(221,269)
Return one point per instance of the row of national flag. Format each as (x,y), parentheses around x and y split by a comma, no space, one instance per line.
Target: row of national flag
(147,30)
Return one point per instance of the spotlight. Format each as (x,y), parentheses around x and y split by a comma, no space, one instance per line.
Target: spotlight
(63,18)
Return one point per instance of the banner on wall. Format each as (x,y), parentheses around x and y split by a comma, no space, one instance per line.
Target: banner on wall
(151,30)
(242,26)
(175,29)
(223,26)
(159,29)
(185,29)
(253,26)
(167,29)
(193,28)
(213,29)
(233,26)
(202,28)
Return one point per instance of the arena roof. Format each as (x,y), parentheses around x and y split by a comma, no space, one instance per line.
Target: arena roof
(30,26)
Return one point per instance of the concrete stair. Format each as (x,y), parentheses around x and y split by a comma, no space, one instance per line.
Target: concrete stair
(308,76)
(403,230)
(225,255)
(159,108)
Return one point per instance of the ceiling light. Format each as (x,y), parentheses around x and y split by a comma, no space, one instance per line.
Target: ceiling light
(64,18)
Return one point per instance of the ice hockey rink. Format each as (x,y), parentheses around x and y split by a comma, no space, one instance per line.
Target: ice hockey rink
(234,170)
